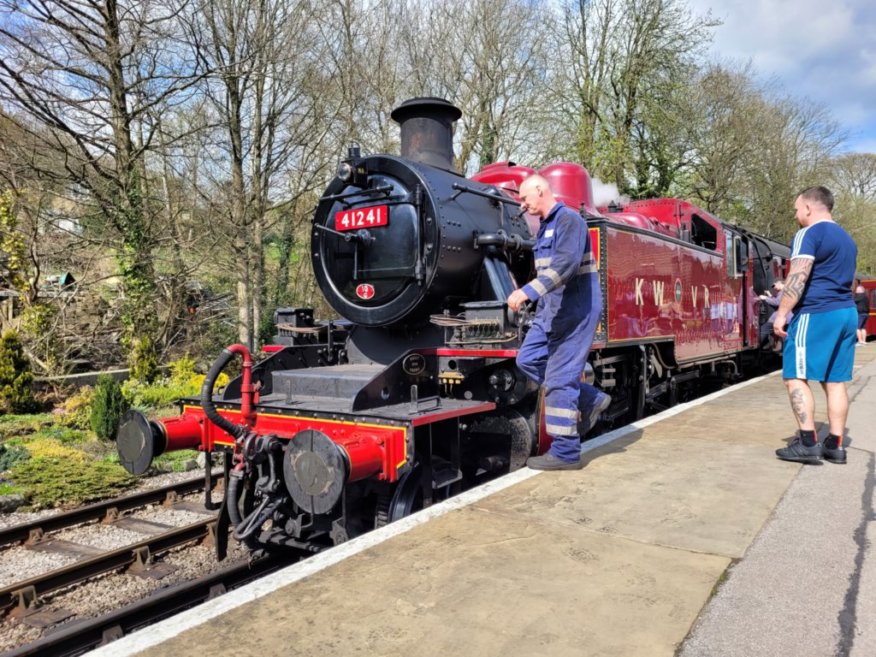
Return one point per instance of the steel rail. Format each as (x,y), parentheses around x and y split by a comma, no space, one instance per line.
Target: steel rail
(34,530)
(26,593)
(87,634)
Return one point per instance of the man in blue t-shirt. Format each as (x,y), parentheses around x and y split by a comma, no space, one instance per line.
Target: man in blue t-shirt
(820,341)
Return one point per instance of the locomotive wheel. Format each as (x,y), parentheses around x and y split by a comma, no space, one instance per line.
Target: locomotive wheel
(408,495)
(513,433)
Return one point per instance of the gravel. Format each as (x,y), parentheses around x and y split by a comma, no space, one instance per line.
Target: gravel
(113,590)
(148,483)
(116,590)
(104,537)
(17,518)
(171,516)
(17,563)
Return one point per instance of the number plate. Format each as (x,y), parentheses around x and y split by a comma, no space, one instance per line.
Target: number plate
(376,215)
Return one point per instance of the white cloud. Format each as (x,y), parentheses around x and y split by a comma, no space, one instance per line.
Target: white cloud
(817,50)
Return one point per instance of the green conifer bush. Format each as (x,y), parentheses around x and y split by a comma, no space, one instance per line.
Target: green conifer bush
(16,378)
(107,407)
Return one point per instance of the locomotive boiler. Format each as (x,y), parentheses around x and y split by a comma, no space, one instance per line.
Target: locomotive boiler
(413,393)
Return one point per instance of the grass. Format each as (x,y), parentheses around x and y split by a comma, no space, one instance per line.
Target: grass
(12,426)
(52,465)
(56,460)
(61,482)
(175,461)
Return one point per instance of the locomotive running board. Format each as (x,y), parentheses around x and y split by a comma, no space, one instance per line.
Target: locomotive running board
(448,413)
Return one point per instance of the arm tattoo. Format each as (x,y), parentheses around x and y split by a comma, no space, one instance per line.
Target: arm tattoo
(796,282)
(798,404)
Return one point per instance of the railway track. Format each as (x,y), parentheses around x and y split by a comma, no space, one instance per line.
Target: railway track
(106,511)
(91,633)
(22,599)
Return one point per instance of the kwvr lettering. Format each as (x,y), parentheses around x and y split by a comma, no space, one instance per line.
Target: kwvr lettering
(657,287)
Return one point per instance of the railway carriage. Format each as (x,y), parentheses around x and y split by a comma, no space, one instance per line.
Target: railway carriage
(413,393)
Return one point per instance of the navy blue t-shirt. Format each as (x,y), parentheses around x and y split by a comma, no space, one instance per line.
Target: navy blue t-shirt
(830,283)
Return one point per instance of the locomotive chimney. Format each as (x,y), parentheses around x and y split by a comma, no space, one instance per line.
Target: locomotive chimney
(427,130)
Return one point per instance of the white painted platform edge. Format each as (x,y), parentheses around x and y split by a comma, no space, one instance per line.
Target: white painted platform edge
(160,632)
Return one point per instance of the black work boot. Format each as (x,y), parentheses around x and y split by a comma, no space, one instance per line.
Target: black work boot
(550,462)
(799,453)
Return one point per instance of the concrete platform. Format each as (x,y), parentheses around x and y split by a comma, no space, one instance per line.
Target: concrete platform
(686,520)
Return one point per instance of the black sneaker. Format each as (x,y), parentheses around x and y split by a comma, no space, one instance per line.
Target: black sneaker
(799,453)
(836,455)
(550,462)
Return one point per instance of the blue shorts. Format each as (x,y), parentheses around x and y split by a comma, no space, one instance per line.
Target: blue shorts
(821,346)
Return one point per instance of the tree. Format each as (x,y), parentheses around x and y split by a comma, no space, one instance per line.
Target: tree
(16,395)
(12,248)
(854,174)
(492,69)
(617,53)
(722,130)
(108,405)
(795,143)
(853,181)
(264,93)
(89,78)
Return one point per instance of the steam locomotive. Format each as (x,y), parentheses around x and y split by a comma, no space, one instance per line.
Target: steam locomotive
(352,423)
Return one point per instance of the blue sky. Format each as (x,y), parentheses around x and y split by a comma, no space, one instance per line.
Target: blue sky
(817,49)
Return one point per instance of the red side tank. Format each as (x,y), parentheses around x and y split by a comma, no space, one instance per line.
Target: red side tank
(665,212)
(508,176)
(571,184)
(628,219)
(504,175)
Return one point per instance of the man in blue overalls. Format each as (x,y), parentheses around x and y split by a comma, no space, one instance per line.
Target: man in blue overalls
(569,298)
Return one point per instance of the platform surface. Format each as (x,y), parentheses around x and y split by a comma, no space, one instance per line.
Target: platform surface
(684,536)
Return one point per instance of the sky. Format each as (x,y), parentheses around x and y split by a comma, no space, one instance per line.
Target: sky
(822,50)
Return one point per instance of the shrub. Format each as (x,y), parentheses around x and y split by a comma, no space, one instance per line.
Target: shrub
(53,481)
(16,395)
(43,448)
(107,407)
(17,426)
(77,409)
(9,489)
(182,382)
(66,435)
(142,361)
(12,455)
(182,369)
(175,461)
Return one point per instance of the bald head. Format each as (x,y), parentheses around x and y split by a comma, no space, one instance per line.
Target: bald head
(536,196)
